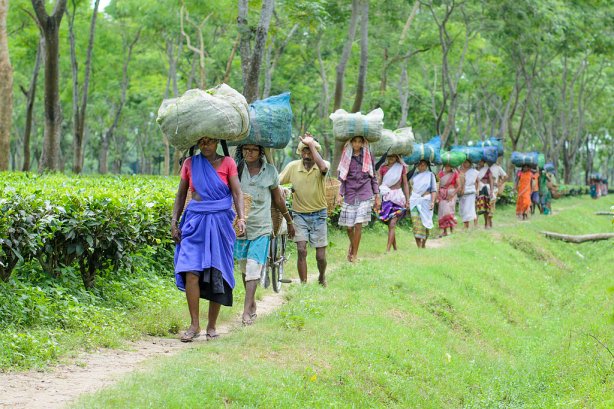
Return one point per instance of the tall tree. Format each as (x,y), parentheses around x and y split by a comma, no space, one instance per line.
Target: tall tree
(79,109)
(345,55)
(364,55)
(251,58)
(6,89)
(50,28)
(30,95)
(107,136)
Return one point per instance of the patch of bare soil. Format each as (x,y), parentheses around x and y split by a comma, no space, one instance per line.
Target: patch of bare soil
(91,372)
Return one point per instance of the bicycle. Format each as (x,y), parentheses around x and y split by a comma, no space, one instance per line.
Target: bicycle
(274,270)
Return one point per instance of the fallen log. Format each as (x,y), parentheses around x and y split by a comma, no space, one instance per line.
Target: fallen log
(604,213)
(579,239)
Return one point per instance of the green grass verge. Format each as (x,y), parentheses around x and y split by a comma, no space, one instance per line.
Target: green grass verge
(504,318)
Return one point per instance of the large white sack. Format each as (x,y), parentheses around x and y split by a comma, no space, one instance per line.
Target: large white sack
(347,125)
(400,142)
(218,113)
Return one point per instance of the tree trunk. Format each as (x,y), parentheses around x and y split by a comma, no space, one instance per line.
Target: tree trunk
(50,27)
(103,155)
(79,110)
(230,59)
(403,96)
(30,95)
(251,60)
(364,56)
(6,89)
(108,135)
(325,100)
(345,55)
(173,59)
(579,239)
(272,59)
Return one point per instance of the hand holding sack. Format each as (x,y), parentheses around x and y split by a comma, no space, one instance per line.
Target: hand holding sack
(218,113)
(399,142)
(347,125)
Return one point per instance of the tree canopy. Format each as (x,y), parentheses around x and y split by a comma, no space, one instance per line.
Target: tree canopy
(536,73)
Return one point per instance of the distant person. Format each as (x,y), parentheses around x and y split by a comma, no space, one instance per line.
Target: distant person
(449,186)
(260,180)
(307,176)
(469,186)
(205,237)
(394,189)
(485,193)
(359,190)
(499,177)
(535,202)
(594,188)
(545,196)
(423,193)
(523,186)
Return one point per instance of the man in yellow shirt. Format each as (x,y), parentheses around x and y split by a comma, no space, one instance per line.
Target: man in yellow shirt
(307,176)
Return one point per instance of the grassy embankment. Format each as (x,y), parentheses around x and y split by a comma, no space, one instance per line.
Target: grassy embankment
(504,318)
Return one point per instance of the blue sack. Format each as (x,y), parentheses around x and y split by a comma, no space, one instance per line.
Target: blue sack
(492,141)
(549,167)
(430,151)
(270,122)
(490,154)
(474,153)
(520,159)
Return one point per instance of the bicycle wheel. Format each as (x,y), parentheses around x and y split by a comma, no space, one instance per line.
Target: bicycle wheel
(268,269)
(284,243)
(275,244)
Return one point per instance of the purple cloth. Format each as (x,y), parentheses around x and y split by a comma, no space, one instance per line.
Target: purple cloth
(358,186)
(391,210)
(207,236)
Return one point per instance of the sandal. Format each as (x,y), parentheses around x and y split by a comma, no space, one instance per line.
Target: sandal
(211,337)
(189,335)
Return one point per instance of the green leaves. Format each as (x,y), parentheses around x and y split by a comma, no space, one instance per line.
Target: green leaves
(97,225)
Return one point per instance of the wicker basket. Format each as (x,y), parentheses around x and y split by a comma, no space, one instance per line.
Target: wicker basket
(247,205)
(332,192)
(277,219)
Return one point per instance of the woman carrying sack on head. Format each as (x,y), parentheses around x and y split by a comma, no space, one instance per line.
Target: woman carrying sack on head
(394,189)
(449,185)
(485,193)
(205,237)
(359,190)
(423,186)
(523,185)
(469,184)
(260,180)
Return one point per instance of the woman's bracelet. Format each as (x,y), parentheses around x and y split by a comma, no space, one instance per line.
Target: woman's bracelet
(241,220)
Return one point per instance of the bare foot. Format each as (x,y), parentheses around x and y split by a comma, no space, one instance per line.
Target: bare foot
(322,281)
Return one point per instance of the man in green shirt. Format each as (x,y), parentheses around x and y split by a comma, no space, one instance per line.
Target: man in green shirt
(307,176)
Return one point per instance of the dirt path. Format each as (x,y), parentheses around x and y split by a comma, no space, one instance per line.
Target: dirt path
(91,372)
(94,371)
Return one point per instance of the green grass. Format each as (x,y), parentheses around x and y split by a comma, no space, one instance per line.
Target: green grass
(504,318)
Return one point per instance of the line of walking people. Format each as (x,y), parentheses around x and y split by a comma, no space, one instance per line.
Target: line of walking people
(207,245)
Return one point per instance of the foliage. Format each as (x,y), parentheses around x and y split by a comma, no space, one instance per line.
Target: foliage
(550,61)
(95,223)
(519,321)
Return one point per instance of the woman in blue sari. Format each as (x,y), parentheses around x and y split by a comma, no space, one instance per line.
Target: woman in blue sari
(205,237)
